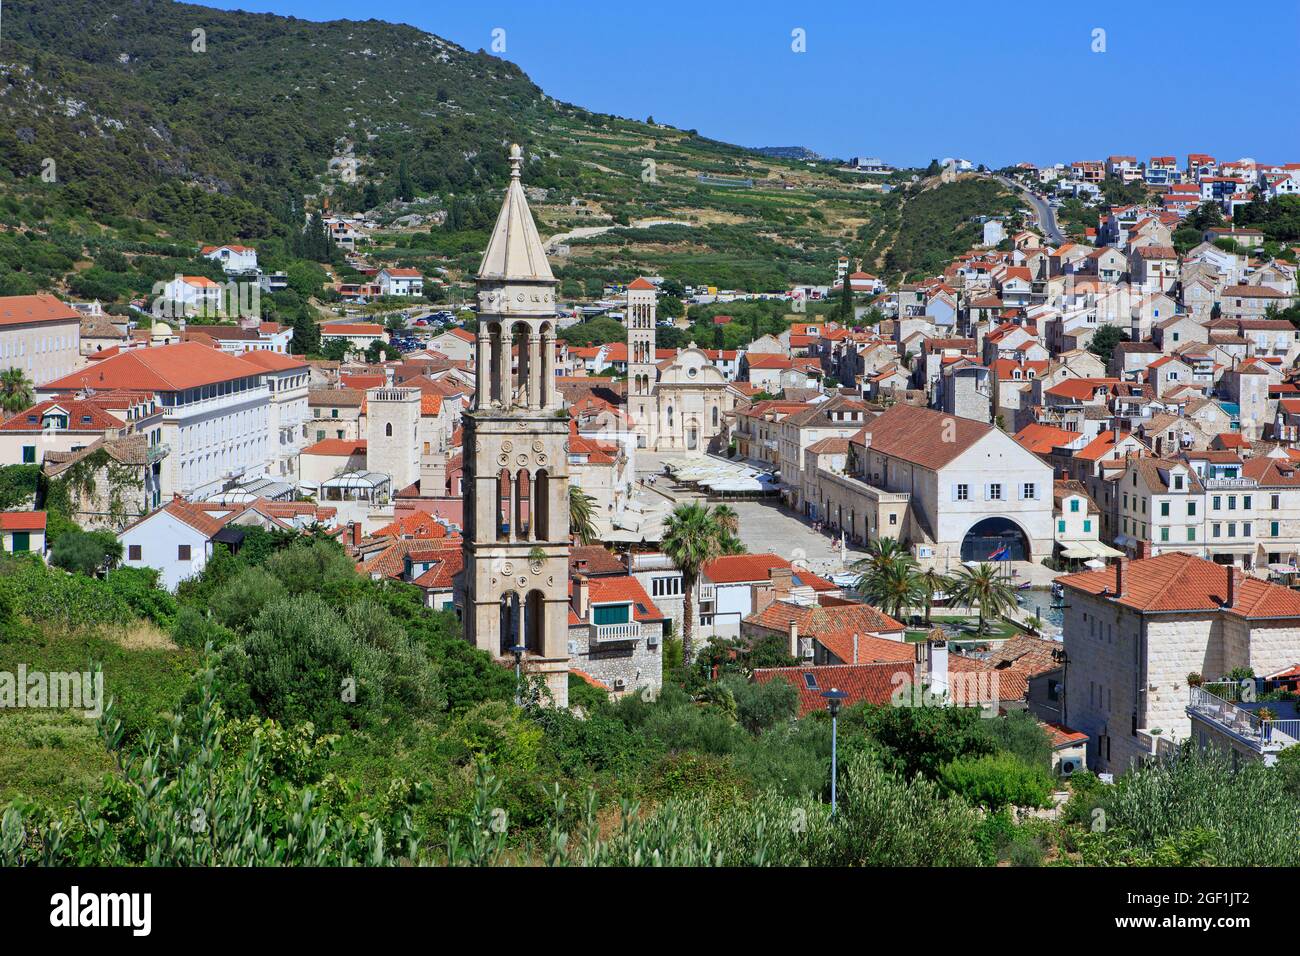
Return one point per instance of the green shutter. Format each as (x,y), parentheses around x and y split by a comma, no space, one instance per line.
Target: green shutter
(22,541)
(610,614)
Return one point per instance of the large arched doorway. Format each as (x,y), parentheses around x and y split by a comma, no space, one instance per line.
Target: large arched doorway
(987,538)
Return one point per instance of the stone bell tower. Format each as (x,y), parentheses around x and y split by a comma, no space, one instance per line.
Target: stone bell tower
(642,369)
(516,523)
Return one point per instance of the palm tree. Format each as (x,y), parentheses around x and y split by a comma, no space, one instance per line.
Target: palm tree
(692,538)
(581,523)
(15,391)
(983,586)
(894,586)
(727,518)
(933,581)
(881,553)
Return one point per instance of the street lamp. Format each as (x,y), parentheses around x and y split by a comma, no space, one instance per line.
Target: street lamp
(518,651)
(834,698)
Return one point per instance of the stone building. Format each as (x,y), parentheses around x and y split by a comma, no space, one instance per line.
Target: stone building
(679,404)
(516,478)
(616,633)
(393,434)
(1135,632)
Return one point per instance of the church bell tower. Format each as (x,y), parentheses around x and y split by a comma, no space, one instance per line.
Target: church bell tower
(516,523)
(642,369)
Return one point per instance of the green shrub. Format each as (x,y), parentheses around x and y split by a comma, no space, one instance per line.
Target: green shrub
(998,780)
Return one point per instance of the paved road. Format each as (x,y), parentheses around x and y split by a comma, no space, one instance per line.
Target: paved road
(766,527)
(1046,214)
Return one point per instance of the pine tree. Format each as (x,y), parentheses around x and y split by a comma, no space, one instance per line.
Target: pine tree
(846,297)
(405,188)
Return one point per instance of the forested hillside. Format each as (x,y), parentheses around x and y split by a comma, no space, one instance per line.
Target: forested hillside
(138,128)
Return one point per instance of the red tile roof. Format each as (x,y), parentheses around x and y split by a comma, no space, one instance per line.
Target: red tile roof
(165,368)
(1041,439)
(869,683)
(741,568)
(24,309)
(22,521)
(1182,582)
(917,435)
(77,409)
(273,361)
(337,446)
(418,525)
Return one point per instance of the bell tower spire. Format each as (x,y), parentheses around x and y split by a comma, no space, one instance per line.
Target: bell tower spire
(516,575)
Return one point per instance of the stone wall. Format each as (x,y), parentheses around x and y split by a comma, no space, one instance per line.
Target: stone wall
(636,663)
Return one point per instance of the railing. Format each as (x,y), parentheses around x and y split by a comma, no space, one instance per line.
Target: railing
(158,451)
(1216,484)
(616,632)
(1238,721)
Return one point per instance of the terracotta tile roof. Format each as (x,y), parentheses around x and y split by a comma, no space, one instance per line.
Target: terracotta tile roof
(741,568)
(273,361)
(391,561)
(418,525)
(914,435)
(830,446)
(1023,652)
(1062,736)
(861,683)
(595,560)
(335,397)
(1080,388)
(83,415)
(1041,439)
(164,368)
(363,382)
(202,521)
(836,625)
(22,521)
(583,675)
(337,446)
(1012,685)
(618,590)
(641,283)
(1182,582)
(441,577)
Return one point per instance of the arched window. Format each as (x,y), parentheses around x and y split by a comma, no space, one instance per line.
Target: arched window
(388,430)
(715,416)
(542,508)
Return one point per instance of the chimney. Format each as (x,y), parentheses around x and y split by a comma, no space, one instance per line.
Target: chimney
(581,595)
(782,580)
(1121,569)
(938,667)
(1232,585)
(356,534)
(794,638)
(855,648)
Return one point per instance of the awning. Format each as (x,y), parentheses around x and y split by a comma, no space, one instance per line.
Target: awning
(1090,549)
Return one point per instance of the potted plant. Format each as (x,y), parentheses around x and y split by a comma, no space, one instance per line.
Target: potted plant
(1194,679)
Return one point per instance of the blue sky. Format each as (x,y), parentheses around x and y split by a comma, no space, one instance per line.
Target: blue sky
(994,81)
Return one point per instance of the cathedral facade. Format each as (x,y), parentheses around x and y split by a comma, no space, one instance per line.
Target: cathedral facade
(676,404)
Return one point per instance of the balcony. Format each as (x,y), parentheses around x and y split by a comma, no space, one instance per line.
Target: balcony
(603,633)
(1219,484)
(158,452)
(1221,705)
